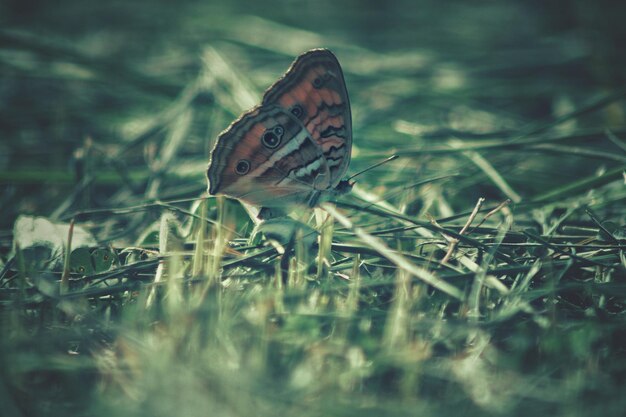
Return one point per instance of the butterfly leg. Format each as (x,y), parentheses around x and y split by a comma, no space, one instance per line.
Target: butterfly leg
(314,199)
(294,238)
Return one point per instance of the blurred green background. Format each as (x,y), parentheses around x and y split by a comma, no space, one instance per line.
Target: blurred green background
(73,72)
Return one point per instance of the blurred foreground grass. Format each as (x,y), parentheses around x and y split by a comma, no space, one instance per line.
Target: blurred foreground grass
(172,307)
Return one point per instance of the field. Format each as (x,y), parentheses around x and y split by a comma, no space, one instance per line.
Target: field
(481,271)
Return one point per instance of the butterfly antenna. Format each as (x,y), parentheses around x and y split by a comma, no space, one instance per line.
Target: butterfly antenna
(376,165)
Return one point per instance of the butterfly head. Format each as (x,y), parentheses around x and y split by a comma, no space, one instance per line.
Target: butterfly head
(344,187)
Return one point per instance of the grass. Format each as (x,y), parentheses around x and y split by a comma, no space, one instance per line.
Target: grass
(482,272)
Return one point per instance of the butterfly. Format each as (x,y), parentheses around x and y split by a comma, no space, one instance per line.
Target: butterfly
(295,146)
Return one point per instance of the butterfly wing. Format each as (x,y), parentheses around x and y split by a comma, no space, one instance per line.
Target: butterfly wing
(267,158)
(314,91)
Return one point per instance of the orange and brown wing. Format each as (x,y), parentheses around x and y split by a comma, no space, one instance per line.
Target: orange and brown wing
(267,158)
(314,91)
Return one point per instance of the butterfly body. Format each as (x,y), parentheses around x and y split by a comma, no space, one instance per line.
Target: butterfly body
(292,148)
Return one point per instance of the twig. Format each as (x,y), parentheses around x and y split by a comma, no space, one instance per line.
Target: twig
(66,263)
(396,258)
(584,261)
(454,242)
(491,213)
(598,223)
